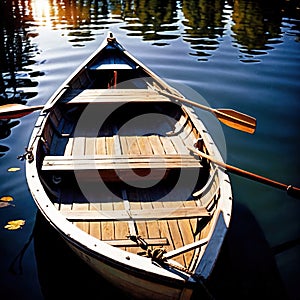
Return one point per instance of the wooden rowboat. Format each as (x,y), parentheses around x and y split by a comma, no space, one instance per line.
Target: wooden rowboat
(112,165)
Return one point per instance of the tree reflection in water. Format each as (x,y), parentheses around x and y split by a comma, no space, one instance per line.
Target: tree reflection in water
(16,55)
(255,26)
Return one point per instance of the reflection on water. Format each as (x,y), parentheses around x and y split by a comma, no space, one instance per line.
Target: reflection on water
(153,20)
(205,25)
(17,54)
(242,29)
(254,25)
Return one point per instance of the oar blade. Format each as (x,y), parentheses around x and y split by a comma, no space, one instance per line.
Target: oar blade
(237,120)
(14,110)
(229,117)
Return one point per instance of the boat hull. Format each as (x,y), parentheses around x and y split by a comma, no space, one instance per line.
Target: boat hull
(137,285)
(151,242)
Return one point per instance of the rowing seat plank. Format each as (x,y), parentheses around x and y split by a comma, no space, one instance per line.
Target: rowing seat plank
(119,162)
(130,243)
(166,213)
(114,96)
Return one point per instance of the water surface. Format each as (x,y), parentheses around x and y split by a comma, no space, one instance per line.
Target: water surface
(242,55)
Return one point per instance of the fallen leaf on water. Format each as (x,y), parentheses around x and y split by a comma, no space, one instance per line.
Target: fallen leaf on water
(6,198)
(13,225)
(13,169)
(5,204)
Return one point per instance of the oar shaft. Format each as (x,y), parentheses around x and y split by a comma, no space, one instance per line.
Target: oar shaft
(207,108)
(15,110)
(291,190)
(228,117)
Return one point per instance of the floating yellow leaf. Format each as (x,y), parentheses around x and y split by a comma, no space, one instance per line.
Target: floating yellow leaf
(6,198)
(13,225)
(13,169)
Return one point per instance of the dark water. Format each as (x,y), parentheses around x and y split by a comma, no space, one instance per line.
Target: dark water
(243,55)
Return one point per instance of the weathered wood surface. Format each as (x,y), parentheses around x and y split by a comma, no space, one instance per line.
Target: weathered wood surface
(66,163)
(139,152)
(113,96)
(165,213)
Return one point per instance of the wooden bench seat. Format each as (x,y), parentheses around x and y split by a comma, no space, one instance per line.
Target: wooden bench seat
(165,213)
(119,162)
(114,96)
(130,243)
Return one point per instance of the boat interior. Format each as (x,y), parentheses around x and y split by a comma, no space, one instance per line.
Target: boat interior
(115,161)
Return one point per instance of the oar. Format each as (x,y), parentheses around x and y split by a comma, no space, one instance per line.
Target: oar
(14,110)
(229,117)
(291,190)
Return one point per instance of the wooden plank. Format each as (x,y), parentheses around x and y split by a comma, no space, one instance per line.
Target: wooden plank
(172,223)
(78,146)
(164,227)
(110,149)
(189,134)
(113,164)
(65,207)
(179,126)
(124,147)
(107,228)
(186,248)
(186,128)
(121,228)
(132,145)
(65,163)
(95,227)
(152,226)
(111,66)
(193,221)
(185,230)
(117,145)
(133,158)
(175,230)
(100,146)
(131,223)
(168,145)
(156,145)
(140,224)
(144,145)
(159,213)
(90,146)
(54,119)
(179,145)
(115,95)
(130,243)
(78,207)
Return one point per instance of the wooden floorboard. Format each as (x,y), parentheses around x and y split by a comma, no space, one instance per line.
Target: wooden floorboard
(95,227)
(84,226)
(171,234)
(121,228)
